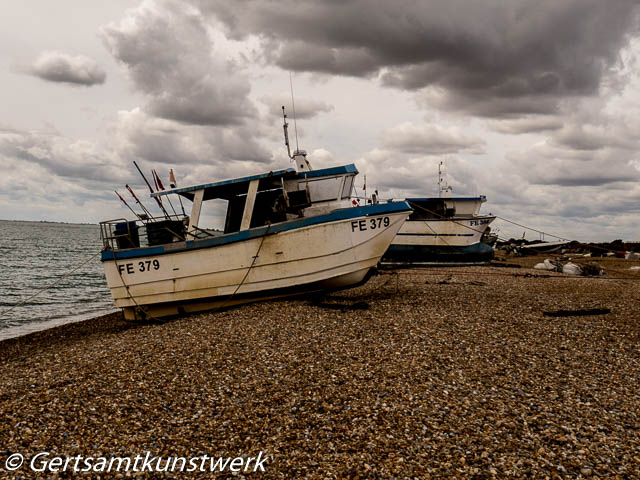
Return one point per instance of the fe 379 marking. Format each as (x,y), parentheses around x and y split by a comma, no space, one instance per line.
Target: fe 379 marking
(143,266)
(370,224)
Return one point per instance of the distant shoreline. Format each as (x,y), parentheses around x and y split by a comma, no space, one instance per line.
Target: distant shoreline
(48,221)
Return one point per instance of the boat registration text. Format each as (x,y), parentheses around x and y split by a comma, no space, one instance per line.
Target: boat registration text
(370,224)
(143,266)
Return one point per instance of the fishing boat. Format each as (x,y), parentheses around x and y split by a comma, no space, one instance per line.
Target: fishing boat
(442,229)
(286,232)
(538,247)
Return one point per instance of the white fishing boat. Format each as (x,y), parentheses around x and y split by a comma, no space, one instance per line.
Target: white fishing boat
(286,232)
(537,247)
(442,229)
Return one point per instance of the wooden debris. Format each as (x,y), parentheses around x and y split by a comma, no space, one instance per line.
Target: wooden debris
(577,313)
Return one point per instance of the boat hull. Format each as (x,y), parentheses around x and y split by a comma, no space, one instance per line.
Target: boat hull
(441,240)
(322,256)
(428,254)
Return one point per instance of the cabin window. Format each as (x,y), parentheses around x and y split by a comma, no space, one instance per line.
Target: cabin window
(269,207)
(234,214)
(322,190)
(211,220)
(430,209)
(348,186)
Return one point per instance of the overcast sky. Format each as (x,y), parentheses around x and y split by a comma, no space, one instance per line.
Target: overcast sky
(534,104)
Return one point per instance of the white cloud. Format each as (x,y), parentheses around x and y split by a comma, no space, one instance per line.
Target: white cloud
(61,67)
(306,108)
(428,139)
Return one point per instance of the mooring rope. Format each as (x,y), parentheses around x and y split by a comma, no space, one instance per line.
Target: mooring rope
(581,244)
(533,229)
(255,257)
(145,310)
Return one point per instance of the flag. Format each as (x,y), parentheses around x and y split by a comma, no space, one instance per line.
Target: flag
(172,179)
(133,194)
(158,181)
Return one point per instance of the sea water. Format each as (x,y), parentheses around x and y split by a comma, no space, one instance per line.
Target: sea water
(37,256)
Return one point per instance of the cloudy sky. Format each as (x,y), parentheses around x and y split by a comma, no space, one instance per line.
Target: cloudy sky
(534,104)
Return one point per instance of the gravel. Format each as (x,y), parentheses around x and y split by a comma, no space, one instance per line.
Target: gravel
(423,373)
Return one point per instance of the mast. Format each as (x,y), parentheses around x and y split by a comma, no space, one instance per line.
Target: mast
(299,156)
(442,182)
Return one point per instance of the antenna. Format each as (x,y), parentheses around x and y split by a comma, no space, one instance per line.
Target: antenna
(299,156)
(285,127)
(293,105)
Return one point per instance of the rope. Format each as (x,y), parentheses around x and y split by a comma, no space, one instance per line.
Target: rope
(582,244)
(533,229)
(4,312)
(148,315)
(143,309)
(255,257)
(585,245)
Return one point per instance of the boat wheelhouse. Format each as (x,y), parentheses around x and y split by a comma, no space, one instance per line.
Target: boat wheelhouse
(285,232)
(442,229)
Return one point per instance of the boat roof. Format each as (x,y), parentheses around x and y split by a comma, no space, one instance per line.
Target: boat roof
(481,198)
(230,187)
(327,172)
(236,186)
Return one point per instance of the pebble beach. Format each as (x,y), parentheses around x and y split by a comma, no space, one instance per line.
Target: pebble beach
(421,373)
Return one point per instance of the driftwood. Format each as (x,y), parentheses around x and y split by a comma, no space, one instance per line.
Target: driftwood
(577,313)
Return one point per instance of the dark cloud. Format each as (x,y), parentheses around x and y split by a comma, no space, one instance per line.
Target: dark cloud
(60,67)
(490,58)
(157,140)
(171,58)
(198,116)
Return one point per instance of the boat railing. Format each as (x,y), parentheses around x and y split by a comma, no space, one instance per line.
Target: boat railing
(120,233)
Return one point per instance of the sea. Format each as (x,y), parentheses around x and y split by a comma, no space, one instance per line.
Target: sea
(50,274)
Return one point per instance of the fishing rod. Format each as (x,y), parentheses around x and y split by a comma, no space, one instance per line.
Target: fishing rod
(158,201)
(159,186)
(174,184)
(139,202)
(125,202)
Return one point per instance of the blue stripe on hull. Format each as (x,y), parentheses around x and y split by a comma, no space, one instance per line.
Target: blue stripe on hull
(478,252)
(436,234)
(342,214)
